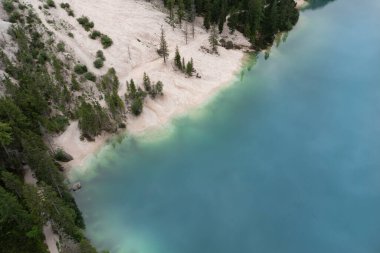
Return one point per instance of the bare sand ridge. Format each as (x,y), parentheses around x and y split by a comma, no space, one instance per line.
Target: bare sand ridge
(134,27)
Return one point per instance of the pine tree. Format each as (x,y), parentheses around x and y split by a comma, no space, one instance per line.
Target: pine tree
(207,14)
(183,64)
(189,68)
(147,83)
(177,59)
(180,12)
(163,51)
(213,39)
(171,11)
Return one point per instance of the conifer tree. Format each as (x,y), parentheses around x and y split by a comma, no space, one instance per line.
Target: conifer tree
(213,39)
(177,59)
(147,83)
(180,12)
(163,51)
(189,68)
(207,14)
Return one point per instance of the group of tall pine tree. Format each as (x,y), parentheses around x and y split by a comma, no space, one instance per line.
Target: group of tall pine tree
(258,20)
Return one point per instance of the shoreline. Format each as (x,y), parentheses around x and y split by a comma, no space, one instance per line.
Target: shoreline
(134,53)
(83,151)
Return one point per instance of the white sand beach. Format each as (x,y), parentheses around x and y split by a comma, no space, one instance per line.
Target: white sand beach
(134,27)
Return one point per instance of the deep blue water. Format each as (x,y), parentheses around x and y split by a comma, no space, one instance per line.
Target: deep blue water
(287,160)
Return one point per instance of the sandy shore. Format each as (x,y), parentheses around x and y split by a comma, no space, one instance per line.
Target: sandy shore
(135,27)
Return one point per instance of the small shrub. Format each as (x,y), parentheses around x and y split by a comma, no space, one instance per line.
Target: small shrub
(42,57)
(70,13)
(14,17)
(71,35)
(98,63)
(80,69)
(50,3)
(99,54)
(229,45)
(106,41)
(65,5)
(8,6)
(95,34)
(90,76)
(61,46)
(85,23)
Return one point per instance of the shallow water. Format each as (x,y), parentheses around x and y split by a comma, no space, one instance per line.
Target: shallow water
(286,160)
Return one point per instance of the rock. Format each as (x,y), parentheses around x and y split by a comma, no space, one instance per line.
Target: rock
(76,186)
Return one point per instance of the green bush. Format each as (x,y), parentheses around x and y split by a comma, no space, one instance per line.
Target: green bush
(71,35)
(95,34)
(65,5)
(90,76)
(98,63)
(80,69)
(56,124)
(14,17)
(50,3)
(70,13)
(8,6)
(137,106)
(106,41)
(85,23)
(100,54)
(61,46)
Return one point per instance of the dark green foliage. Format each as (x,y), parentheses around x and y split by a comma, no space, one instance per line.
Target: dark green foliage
(189,68)
(213,39)
(98,63)
(8,5)
(106,41)
(56,124)
(20,231)
(177,59)
(163,51)
(66,7)
(95,34)
(80,69)
(90,76)
(135,97)
(86,247)
(92,119)
(137,106)
(147,83)
(36,93)
(75,86)
(259,20)
(153,90)
(180,11)
(85,23)
(50,3)
(61,46)
(99,54)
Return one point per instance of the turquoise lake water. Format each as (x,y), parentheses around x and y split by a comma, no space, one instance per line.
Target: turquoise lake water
(286,160)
